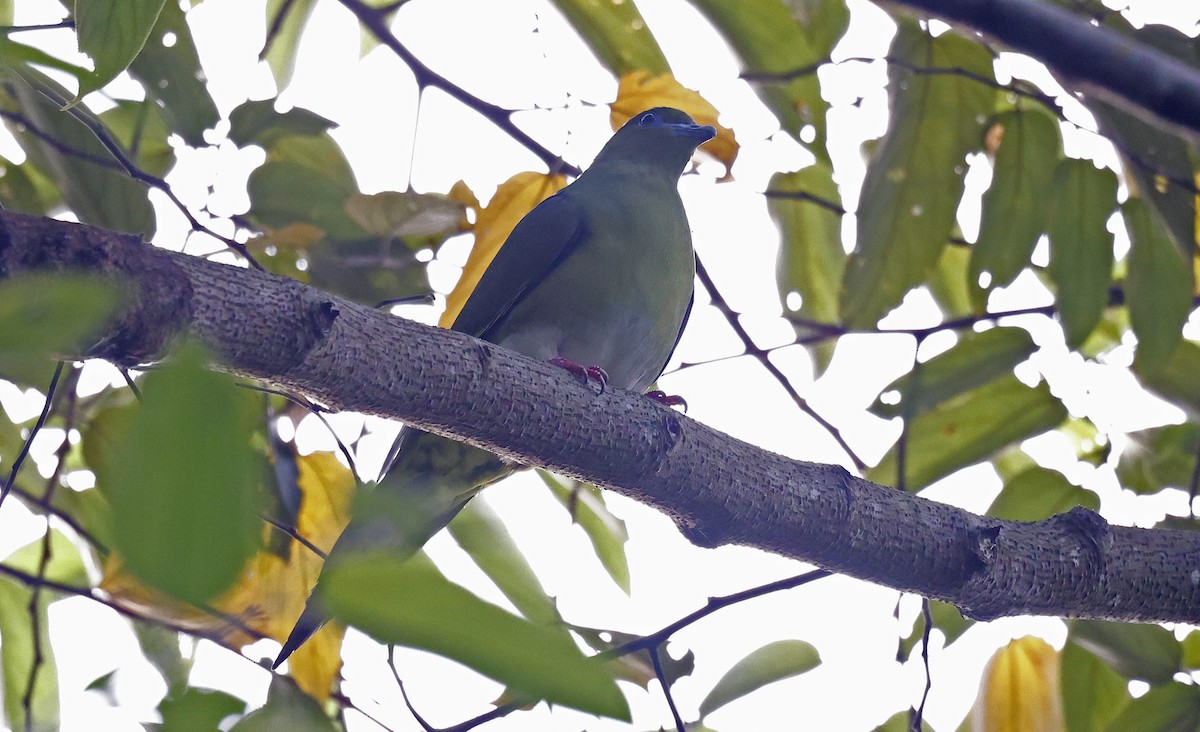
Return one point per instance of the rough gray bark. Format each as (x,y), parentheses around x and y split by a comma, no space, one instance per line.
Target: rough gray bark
(1088,58)
(719,490)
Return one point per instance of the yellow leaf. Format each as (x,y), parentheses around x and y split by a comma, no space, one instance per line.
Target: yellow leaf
(272,590)
(638,91)
(462,193)
(1020,690)
(514,198)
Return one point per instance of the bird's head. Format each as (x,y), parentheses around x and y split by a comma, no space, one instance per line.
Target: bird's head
(663,137)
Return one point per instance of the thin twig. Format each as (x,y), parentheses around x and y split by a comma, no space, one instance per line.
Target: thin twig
(666,687)
(41,422)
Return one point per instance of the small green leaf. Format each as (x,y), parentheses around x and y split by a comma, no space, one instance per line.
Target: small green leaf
(1174,707)
(773,662)
(48,316)
(1136,651)
(483,536)
(306,179)
(1092,693)
(972,362)
(287,710)
(617,34)
(1191,650)
(1081,248)
(197,710)
(913,183)
(284,36)
(946,618)
(811,258)
(969,428)
(1158,288)
(407,213)
(257,123)
(1039,493)
(1016,205)
(1160,457)
(1176,382)
(112,32)
(412,604)
(948,282)
(141,131)
(606,532)
(901,722)
(183,484)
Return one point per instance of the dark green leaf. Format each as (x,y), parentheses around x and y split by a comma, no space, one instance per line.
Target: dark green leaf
(412,604)
(1136,651)
(788,40)
(197,710)
(1160,457)
(1177,382)
(171,75)
(183,484)
(974,361)
(617,34)
(112,32)
(287,710)
(49,316)
(483,536)
(1158,288)
(1092,693)
(257,123)
(91,182)
(1081,248)
(969,428)
(1172,708)
(811,259)
(306,179)
(773,662)
(606,532)
(1016,205)
(915,180)
(1039,493)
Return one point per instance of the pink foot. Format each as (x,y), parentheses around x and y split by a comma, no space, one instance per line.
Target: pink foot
(586,374)
(667,400)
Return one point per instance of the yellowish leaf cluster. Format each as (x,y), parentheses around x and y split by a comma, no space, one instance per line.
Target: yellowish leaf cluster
(1020,690)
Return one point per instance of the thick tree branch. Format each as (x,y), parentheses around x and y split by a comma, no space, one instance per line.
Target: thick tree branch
(719,490)
(1089,58)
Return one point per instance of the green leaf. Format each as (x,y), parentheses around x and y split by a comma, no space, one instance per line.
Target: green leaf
(975,360)
(483,536)
(287,710)
(1092,693)
(112,32)
(1081,251)
(171,75)
(811,259)
(305,179)
(1158,288)
(141,131)
(1191,650)
(26,189)
(948,282)
(48,316)
(946,618)
(1160,457)
(405,213)
(915,180)
(900,722)
(197,710)
(284,36)
(772,37)
(606,532)
(89,179)
(617,34)
(1136,651)
(183,484)
(412,604)
(969,428)
(257,123)
(1038,493)
(1171,708)
(1016,206)
(1176,382)
(775,661)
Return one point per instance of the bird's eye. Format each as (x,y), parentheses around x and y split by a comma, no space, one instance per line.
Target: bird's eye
(648,118)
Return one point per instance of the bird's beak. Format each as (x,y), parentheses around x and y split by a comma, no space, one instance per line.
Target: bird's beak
(700,133)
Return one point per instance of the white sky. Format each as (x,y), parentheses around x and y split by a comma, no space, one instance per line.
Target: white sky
(523,54)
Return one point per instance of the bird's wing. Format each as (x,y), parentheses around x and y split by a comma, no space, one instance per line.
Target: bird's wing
(541,240)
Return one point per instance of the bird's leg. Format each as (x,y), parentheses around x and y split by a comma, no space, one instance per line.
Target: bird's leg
(665,399)
(586,374)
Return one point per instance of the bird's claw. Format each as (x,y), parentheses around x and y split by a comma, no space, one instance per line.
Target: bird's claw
(586,374)
(667,400)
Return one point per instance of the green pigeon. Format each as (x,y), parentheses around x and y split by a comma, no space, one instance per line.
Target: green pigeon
(596,279)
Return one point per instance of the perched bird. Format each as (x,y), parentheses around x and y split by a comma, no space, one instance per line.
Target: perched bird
(596,279)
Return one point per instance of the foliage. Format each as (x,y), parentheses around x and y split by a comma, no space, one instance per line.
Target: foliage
(1101,260)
